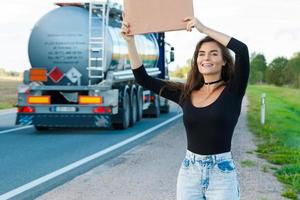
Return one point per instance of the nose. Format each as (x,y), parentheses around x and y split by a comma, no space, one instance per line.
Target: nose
(206,57)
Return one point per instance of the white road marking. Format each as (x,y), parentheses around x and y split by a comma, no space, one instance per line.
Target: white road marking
(78,163)
(15,129)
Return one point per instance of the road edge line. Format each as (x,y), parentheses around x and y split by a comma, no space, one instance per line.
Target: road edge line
(15,129)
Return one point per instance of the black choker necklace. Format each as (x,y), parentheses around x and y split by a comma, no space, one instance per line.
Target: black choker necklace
(208,83)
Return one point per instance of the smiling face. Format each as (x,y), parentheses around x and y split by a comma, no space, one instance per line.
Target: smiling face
(210,60)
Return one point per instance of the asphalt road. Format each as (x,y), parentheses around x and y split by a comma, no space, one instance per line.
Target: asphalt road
(29,158)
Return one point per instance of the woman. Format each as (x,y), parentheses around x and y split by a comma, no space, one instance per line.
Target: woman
(211,103)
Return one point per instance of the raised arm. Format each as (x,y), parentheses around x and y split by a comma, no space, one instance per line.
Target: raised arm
(239,82)
(241,70)
(132,51)
(193,22)
(154,84)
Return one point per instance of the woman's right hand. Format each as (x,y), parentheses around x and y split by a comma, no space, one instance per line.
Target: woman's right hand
(125,30)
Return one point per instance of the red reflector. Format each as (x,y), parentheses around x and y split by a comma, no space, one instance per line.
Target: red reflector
(56,75)
(101,109)
(26,109)
(152,98)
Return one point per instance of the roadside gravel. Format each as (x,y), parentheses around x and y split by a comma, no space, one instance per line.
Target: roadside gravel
(256,178)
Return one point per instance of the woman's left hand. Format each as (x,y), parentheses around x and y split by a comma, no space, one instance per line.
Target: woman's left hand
(193,22)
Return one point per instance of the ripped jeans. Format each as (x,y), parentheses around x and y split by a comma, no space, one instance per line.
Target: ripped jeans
(207,177)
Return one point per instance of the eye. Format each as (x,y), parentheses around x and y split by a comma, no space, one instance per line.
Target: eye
(215,54)
(201,54)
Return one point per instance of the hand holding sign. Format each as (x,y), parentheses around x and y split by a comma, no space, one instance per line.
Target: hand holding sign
(125,30)
(193,22)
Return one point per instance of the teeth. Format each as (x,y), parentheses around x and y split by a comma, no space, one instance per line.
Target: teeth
(207,65)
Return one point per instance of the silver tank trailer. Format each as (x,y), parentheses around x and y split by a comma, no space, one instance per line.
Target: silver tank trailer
(60,38)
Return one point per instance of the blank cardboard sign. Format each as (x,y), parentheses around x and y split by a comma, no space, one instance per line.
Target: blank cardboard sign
(148,16)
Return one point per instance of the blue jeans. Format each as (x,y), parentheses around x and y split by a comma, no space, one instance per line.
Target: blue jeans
(207,177)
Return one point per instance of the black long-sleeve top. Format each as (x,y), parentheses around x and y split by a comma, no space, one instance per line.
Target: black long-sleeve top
(209,129)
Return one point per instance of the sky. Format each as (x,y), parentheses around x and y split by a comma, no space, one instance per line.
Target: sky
(271,27)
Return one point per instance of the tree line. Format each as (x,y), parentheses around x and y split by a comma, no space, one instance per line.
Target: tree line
(5,73)
(181,72)
(280,71)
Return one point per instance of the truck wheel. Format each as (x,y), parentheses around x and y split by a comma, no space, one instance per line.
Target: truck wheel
(140,101)
(124,112)
(165,108)
(133,109)
(41,128)
(156,110)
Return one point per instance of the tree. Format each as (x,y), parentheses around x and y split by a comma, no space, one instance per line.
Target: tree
(275,71)
(2,72)
(182,72)
(258,66)
(293,70)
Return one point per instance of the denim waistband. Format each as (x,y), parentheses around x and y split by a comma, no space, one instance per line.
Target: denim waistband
(208,158)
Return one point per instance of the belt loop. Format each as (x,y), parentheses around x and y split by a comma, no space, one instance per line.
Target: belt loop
(194,158)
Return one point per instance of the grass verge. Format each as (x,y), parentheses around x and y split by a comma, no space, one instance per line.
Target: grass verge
(8,93)
(279,137)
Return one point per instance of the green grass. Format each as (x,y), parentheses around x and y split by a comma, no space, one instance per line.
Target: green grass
(8,93)
(249,152)
(265,168)
(280,135)
(247,163)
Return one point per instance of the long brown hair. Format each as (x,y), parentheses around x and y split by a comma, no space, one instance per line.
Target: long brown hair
(195,79)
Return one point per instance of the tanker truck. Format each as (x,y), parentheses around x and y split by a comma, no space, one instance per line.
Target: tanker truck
(80,74)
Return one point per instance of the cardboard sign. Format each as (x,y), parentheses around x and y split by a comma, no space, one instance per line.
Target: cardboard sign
(148,16)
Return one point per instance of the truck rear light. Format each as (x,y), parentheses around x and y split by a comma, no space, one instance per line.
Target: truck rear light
(146,98)
(38,75)
(101,109)
(38,99)
(26,109)
(152,98)
(90,100)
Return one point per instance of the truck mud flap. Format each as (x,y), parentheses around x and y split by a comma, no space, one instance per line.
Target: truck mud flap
(65,120)
(25,120)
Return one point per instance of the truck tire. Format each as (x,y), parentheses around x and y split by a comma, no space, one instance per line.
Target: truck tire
(140,101)
(124,113)
(165,108)
(156,109)
(133,108)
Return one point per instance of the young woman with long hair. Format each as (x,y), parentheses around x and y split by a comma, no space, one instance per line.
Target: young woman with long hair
(211,102)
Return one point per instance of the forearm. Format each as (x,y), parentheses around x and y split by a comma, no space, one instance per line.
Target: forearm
(242,66)
(133,55)
(218,36)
